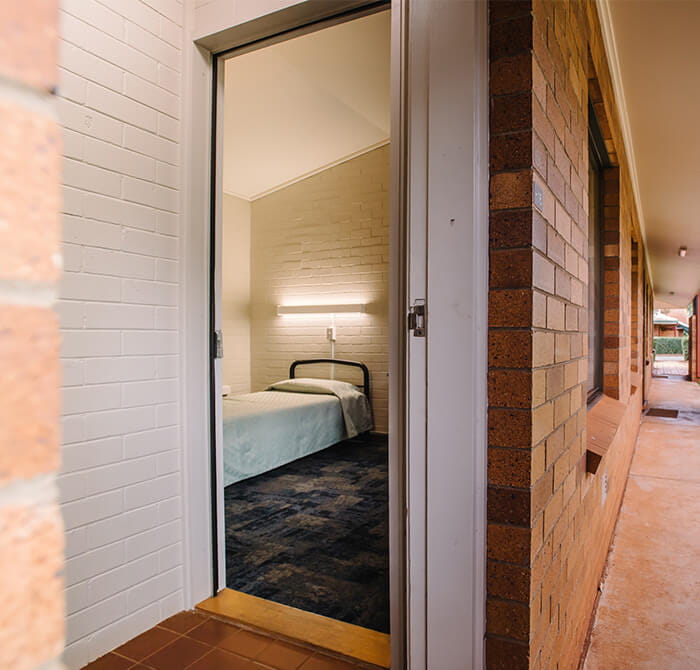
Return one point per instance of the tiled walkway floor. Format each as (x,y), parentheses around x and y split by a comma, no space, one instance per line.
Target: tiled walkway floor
(670,365)
(194,641)
(649,612)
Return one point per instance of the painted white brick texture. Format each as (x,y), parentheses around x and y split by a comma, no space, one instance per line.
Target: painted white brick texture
(324,239)
(120,485)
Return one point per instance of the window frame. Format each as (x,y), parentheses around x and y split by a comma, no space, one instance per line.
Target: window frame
(598,162)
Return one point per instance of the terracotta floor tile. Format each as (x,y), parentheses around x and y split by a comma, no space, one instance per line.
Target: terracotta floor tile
(220,659)
(246,643)
(320,662)
(213,632)
(283,656)
(177,655)
(146,644)
(192,641)
(109,662)
(183,622)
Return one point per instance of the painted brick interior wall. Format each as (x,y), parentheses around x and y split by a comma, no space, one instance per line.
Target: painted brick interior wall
(235,294)
(324,239)
(121,482)
(31,535)
(550,522)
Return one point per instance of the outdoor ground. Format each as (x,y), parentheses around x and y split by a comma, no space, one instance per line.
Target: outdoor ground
(649,611)
(670,365)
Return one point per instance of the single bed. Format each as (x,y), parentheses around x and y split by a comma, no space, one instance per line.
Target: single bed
(291,419)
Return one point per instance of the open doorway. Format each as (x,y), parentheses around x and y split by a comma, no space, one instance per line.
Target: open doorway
(303,296)
(438,249)
(670,342)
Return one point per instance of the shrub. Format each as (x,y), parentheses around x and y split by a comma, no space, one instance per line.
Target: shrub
(670,345)
(685,347)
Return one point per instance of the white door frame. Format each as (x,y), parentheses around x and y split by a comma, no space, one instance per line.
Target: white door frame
(439,191)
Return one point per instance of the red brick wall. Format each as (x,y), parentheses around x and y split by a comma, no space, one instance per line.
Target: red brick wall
(636,316)
(550,522)
(31,539)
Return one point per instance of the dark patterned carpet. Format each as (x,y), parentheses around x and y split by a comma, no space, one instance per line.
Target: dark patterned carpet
(313,534)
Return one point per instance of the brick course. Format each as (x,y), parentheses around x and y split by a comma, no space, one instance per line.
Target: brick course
(550,521)
(28,43)
(28,417)
(31,622)
(29,160)
(31,537)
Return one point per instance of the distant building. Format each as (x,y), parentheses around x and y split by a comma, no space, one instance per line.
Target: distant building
(666,325)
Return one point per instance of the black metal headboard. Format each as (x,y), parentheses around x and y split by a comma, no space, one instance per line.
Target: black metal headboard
(336,361)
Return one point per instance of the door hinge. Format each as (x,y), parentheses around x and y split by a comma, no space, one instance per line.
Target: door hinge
(417,321)
(218,344)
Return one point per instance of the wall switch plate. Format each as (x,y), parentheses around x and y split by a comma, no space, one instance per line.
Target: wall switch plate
(330,333)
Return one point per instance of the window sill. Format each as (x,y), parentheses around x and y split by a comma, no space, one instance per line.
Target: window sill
(602,423)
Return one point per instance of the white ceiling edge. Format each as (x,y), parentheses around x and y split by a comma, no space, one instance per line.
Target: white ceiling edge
(311,173)
(610,46)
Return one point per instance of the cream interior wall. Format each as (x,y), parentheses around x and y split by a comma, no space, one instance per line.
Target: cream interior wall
(235,295)
(323,239)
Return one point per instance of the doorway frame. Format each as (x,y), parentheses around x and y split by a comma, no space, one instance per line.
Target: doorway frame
(197,115)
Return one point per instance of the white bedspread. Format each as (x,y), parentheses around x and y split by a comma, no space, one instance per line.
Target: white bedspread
(357,412)
(265,430)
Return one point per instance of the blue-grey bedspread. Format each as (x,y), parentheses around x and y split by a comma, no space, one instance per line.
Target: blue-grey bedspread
(271,428)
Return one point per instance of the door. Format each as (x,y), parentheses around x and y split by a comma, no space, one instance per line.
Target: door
(301,171)
(447,246)
(439,249)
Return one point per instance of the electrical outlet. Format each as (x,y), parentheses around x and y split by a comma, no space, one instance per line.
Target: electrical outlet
(330,333)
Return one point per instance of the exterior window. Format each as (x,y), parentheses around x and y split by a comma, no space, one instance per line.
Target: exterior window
(595,272)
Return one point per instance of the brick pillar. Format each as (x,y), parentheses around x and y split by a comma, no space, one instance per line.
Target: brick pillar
(537,329)
(636,315)
(518,237)
(31,537)
(612,298)
(693,349)
(691,339)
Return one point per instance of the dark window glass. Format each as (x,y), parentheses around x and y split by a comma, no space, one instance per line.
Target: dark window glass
(595,277)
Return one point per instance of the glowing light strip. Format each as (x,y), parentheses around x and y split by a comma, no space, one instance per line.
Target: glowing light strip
(345,308)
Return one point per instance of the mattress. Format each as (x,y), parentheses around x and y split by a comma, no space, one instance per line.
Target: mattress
(271,428)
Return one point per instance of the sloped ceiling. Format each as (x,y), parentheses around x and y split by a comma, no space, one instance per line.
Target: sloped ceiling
(296,107)
(658,47)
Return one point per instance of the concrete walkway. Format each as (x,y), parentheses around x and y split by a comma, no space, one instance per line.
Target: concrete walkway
(649,611)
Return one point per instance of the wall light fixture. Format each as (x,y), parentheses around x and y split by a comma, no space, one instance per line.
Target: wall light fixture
(342,308)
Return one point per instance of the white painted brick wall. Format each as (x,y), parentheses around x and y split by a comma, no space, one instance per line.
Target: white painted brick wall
(325,238)
(121,480)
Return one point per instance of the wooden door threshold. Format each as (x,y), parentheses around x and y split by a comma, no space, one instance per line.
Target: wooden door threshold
(344,639)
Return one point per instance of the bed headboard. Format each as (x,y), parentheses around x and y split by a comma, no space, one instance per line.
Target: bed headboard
(336,361)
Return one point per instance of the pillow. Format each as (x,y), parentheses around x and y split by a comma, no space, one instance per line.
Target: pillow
(309,385)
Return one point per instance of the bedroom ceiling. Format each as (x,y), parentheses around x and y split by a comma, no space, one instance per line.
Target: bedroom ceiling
(305,104)
(659,56)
